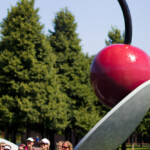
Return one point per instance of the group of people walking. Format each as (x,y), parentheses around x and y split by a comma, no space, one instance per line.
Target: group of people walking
(44,145)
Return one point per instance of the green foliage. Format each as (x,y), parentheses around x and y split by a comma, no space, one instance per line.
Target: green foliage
(144,126)
(29,88)
(73,68)
(114,36)
(46,84)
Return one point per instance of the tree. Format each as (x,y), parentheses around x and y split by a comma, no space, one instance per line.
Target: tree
(73,69)
(114,36)
(144,127)
(29,87)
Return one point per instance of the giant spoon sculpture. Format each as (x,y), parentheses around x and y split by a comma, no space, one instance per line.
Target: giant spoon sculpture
(120,77)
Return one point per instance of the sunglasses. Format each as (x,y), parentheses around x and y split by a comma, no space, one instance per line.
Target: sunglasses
(64,147)
(43,144)
(29,141)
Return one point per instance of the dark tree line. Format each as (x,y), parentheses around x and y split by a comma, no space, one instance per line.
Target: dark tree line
(44,80)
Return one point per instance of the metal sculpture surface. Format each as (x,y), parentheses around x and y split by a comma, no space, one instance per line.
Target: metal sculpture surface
(114,128)
(120,77)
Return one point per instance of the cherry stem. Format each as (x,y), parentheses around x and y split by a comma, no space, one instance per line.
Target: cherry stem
(128,21)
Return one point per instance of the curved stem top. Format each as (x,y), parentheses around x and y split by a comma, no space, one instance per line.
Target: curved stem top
(128,21)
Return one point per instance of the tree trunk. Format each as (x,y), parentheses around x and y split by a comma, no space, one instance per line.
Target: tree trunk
(28,131)
(6,135)
(141,143)
(52,139)
(13,134)
(76,138)
(123,147)
(67,133)
(72,136)
(132,141)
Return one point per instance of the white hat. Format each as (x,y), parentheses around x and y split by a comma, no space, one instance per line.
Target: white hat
(7,147)
(30,139)
(45,140)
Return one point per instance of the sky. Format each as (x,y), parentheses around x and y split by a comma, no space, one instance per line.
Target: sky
(94,19)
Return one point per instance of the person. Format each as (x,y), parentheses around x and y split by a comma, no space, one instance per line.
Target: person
(21,147)
(45,144)
(2,145)
(59,145)
(30,143)
(67,146)
(7,147)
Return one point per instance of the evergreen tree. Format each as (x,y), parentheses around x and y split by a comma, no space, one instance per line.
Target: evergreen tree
(144,127)
(114,36)
(73,68)
(29,88)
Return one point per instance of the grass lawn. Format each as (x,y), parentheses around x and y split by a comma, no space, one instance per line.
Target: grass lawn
(141,148)
(147,147)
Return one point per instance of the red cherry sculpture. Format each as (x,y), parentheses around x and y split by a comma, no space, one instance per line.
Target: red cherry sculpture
(120,68)
(117,70)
